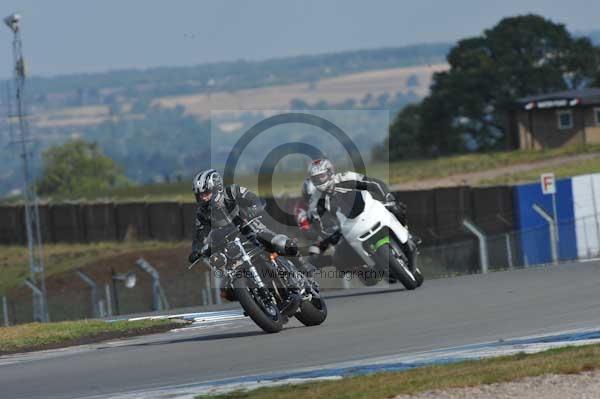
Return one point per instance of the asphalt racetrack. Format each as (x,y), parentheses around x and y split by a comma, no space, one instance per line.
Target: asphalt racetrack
(443,313)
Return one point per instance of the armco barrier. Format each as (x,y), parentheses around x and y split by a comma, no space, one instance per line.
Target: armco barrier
(421,217)
(435,215)
(535,229)
(586,207)
(166,222)
(99,221)
(188,212)
(493,208)
(452,206)
(66,223)
(132,221)
(46,223)
(12,228)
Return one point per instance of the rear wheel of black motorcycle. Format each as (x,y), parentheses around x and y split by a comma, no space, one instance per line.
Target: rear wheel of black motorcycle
(312,313)
(392,256)
(270,320)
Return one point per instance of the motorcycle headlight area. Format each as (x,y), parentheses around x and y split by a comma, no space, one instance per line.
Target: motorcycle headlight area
(218,260)
(232,250)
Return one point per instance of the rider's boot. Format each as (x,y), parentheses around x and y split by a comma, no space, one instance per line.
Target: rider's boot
(228,294)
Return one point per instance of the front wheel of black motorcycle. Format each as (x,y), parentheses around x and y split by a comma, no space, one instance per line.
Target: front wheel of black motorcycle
(313,312)
(265,314)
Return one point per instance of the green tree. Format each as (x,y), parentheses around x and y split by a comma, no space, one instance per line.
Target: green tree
(520,56)
(404,130)
(78,168)
(469,104)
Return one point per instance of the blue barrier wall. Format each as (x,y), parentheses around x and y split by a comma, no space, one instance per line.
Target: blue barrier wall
(535,234)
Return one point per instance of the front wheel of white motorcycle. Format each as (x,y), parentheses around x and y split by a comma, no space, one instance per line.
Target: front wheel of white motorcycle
(390,256)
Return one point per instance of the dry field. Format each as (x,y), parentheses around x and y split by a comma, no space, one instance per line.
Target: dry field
(333,90)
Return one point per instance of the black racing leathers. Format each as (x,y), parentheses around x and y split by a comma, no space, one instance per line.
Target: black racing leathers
(238,207)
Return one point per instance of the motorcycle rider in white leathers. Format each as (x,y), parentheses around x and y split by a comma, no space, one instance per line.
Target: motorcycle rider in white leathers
(328,183)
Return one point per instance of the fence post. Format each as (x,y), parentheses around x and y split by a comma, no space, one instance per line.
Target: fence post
(109,311)
(553,235)
(159,299)
(509,251)
(5,311)
(39,296)
(483,251)
(94,292)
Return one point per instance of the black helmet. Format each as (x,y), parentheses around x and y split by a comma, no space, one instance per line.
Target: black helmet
(205,182)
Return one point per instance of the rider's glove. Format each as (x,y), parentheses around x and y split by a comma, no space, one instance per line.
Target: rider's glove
(314,250)
(205,251)
(194,256)
(291,247)
(304,224)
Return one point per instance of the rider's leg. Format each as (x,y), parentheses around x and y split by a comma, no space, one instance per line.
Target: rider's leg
(304,265)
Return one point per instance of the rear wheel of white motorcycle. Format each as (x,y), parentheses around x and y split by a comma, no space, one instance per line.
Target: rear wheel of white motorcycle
(418,276)
(392,257)
(312,313)
(266,317)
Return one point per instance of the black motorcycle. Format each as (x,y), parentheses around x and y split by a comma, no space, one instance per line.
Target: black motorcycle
(268,286)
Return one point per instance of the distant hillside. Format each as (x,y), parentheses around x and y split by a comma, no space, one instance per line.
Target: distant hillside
(105,88)
(152,121)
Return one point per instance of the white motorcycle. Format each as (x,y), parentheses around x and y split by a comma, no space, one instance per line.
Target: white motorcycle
(378,239)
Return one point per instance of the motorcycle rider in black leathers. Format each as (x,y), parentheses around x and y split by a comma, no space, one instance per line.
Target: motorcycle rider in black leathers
(220,206)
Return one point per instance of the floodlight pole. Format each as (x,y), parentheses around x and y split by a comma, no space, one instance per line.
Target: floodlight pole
(5,311)
(32,216)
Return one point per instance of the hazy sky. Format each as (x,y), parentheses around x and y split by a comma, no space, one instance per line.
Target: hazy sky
(63,36)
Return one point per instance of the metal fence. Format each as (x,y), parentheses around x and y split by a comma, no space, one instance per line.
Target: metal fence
(435,215)
(69,297)
(578,239)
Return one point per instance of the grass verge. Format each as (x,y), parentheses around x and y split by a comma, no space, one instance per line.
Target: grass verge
(39,336)
(562,171)
(458,375)
(59,258)
(398,172)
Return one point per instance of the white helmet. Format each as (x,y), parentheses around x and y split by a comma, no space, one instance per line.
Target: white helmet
(321,173)
(208,181)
